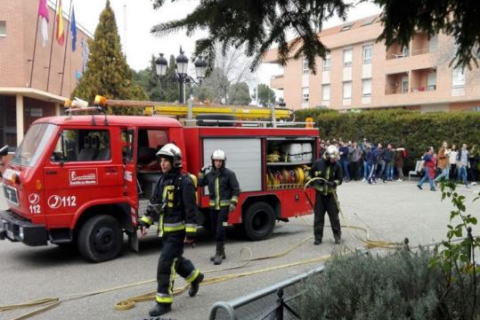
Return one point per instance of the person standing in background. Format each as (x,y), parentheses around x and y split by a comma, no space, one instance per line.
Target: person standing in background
(452,159)
(344,152)
(443,162)
(462,164)
(356,161)
(398,158)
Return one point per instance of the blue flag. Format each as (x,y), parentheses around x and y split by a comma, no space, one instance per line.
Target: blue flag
(73,29)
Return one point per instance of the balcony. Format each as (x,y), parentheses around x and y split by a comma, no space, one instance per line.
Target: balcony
(277,82)
(396,51)
(422,44)
(397,83)
(423,80)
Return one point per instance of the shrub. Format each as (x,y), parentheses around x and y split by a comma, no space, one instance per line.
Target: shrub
(397,286)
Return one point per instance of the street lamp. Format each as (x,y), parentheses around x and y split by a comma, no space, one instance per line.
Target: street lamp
(181,70)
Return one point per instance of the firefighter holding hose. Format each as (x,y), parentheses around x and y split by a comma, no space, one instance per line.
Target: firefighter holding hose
(325,176)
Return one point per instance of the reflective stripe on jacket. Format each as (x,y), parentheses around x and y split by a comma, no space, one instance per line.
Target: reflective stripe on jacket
(223,187)
(332,172)
(177,191)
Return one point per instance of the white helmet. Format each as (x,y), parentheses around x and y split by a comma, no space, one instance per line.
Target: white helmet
(332,153)
(173,152)
(219,155)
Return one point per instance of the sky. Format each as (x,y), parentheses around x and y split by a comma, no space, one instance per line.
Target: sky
(135,18)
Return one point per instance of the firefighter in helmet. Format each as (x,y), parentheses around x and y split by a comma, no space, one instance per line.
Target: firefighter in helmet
(224,190)
(174,206)
(327,175)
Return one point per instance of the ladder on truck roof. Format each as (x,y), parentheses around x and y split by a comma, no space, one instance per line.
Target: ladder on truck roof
(181,110)
(205,115)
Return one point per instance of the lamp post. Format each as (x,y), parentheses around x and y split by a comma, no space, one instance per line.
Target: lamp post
(181,70)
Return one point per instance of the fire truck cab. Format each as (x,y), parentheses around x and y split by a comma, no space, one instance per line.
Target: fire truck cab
(87,179)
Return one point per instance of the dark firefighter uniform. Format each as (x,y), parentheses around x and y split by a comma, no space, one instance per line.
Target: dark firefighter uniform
(224,190)
(175,209)
(325,196)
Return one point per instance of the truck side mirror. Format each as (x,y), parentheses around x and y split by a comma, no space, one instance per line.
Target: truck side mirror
(4,150)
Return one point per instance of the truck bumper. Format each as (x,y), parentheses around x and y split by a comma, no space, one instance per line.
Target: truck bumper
(17,229)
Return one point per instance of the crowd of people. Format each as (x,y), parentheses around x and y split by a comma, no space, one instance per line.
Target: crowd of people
(372,162)
(367,161)
(449,164)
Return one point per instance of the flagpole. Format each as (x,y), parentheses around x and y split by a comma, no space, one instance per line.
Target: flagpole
(34,50)
(51,46)
(66,46)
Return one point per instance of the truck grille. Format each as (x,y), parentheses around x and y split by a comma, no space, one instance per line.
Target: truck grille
(11,194)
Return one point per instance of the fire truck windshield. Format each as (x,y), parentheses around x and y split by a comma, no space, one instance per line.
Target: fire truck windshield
(35,141)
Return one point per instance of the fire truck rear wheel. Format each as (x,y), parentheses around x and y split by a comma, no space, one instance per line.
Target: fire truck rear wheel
(100,239)
(259,221)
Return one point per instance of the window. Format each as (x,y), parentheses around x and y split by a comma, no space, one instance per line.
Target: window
(3,28)
(405,51)
(433,43)
(326,92)
(367,54)
(368,21)
(366,87)
(458,80)
(305,65)
(405,84)
(347,90)
(149,142)
(30,149)
(346,27)
(347,58)
(126,142)
(82,145)
(326,62)
(305,94)
(432,81)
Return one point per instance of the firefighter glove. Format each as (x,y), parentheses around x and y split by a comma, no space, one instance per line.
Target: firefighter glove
(232,207)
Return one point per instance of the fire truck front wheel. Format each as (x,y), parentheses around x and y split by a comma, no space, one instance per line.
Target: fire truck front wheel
(259,221)
(100,239)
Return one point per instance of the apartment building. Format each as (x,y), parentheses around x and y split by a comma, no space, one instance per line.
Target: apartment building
(360,73)
(33,80)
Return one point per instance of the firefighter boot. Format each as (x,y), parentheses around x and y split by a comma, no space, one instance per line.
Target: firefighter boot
(159,309)
(219,254)
(195,285)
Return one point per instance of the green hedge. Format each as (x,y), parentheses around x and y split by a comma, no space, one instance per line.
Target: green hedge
(413,130)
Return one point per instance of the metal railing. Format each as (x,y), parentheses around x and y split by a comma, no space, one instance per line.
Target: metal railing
(278,302)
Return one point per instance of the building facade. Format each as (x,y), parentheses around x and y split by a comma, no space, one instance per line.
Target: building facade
(360,73)
(35,80)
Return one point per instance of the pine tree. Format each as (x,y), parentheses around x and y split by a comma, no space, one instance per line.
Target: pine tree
(108,73)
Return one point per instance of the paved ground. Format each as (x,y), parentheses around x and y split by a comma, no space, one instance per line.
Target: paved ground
(390,211)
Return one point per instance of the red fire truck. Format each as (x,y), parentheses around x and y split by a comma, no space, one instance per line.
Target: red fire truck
(87,179)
